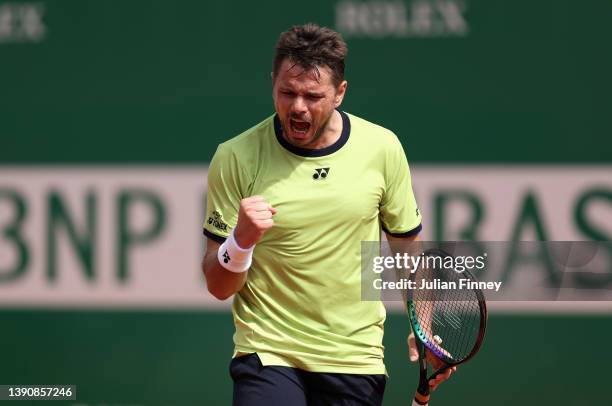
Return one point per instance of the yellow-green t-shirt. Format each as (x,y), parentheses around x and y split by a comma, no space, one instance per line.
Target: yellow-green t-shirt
(301,304)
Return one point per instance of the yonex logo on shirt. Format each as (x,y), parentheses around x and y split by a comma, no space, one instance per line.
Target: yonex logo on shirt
(320,173)
(217,221)
(226,257)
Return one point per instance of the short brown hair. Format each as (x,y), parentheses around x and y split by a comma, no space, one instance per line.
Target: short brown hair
(311,46)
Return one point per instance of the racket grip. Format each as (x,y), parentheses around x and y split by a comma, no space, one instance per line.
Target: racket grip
(420,399)
(438,372)
(421,395)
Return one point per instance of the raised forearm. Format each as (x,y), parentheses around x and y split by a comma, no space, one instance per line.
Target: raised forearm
(254,219)
(221,282)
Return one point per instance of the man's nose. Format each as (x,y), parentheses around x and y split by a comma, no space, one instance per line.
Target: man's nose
(298,106)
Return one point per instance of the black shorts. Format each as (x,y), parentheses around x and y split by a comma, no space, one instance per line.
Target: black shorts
(255,384)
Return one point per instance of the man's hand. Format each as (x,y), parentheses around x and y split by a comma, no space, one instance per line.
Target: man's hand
(435,362)
(254,219)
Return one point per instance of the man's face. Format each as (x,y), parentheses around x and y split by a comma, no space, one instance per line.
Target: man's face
(304,102)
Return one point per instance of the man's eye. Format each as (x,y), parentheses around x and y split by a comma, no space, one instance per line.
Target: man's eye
(287,92)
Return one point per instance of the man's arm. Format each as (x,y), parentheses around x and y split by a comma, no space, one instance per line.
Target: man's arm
(409,239)
(410,245)
(254,219)
(221,282)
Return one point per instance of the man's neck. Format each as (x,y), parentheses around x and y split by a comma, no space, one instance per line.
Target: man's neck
(331,132)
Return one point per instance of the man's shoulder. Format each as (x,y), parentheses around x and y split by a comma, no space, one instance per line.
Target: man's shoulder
(249,140)
(372,133)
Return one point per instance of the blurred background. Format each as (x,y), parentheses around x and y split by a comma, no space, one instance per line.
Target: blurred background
(110,112)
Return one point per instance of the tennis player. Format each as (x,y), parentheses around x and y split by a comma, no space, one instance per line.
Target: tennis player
(289,202)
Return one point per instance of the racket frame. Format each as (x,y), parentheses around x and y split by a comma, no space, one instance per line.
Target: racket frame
(423,344)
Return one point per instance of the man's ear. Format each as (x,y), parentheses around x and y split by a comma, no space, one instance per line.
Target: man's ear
(340,92)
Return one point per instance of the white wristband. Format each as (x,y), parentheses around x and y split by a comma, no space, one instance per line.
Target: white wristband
(234,258)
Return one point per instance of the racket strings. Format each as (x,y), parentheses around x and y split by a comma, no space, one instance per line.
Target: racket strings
(449,318)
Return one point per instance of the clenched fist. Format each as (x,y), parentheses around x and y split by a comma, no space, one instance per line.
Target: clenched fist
(254,219)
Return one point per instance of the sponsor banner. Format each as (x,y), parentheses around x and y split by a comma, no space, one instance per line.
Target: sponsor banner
(402,19)
(22,22)
(131,236)
(93,236)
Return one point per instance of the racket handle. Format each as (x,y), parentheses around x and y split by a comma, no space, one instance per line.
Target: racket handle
(438,372)
(421,395)
(420,400)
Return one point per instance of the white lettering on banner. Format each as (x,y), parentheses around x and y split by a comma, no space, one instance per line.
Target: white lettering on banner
(132,236)
(22,22)
(416,18)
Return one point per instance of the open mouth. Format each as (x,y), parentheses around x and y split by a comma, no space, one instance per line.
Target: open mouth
(299,127)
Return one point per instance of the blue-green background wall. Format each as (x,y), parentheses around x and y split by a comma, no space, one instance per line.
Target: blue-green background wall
(158,81)
(181,358)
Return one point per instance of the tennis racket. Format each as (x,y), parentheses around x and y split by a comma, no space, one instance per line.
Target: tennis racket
(450,324)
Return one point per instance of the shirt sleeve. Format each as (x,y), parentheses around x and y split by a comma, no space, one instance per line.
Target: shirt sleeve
(227,185)
(399,213)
